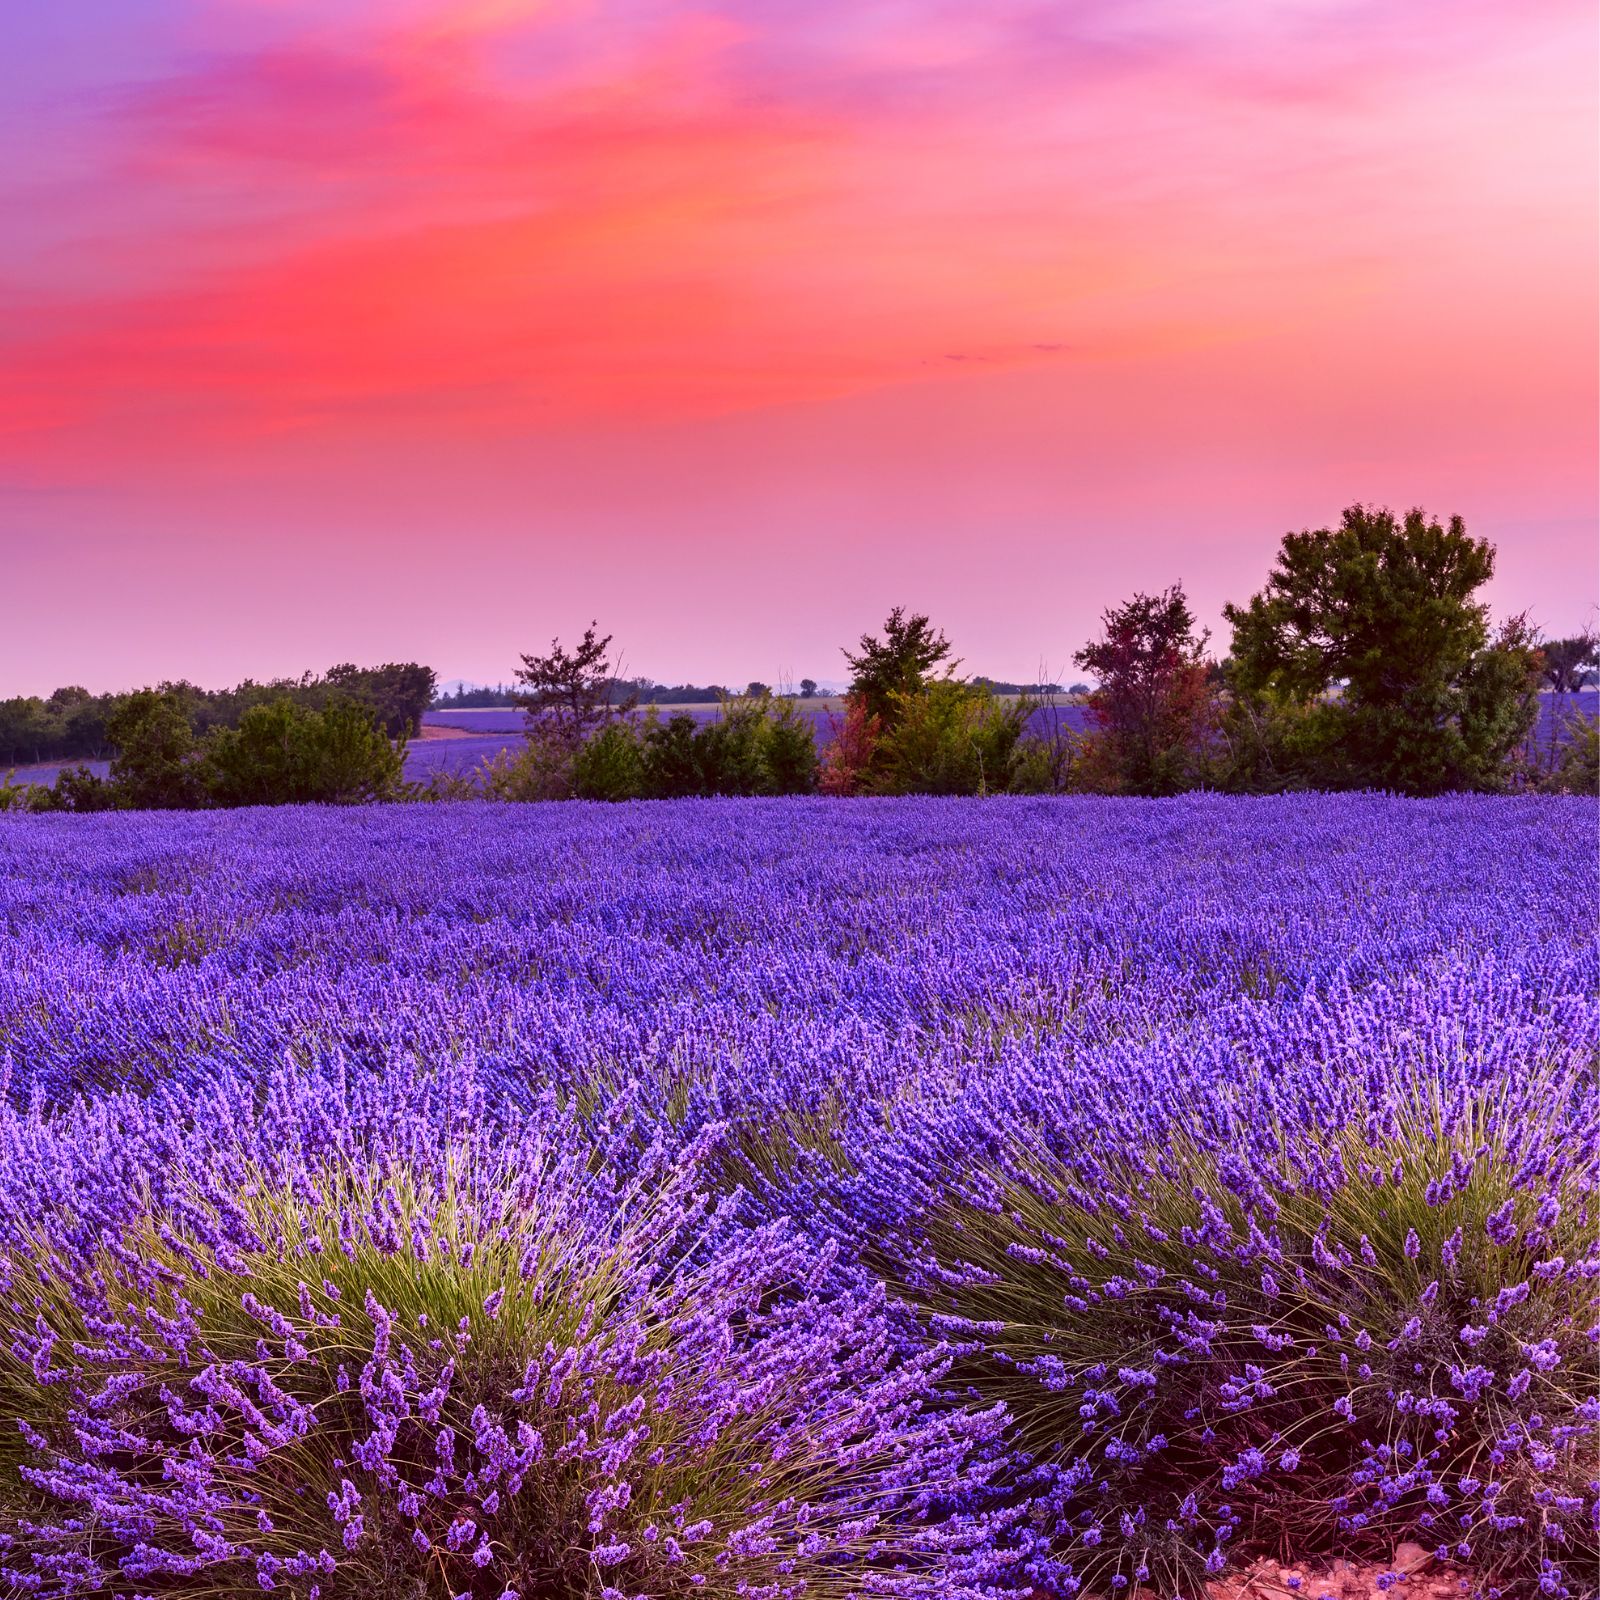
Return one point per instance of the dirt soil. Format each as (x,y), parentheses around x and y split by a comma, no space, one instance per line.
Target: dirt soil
(1413,1574)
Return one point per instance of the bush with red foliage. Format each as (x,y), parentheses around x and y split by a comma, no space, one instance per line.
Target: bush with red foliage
(848,758)
(1156,703)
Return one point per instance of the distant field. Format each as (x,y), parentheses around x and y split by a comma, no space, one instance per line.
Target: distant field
(45,771)
(508,719)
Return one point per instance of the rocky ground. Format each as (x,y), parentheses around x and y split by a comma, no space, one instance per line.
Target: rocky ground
(1413,1574)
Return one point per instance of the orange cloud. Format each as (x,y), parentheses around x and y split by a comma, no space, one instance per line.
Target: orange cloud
(643,245)
(352,229)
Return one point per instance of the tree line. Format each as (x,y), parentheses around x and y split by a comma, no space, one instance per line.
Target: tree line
(616,690)
(73,725)
(647,691)
(1366,661)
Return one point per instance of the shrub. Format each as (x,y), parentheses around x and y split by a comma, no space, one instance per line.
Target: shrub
(1044,765)
(542,769)
(412,1354)
(1385,1334)
(16,796)
(754,747)
(1271,743)
(948,737)
(790,750)
(1580,761)
(848,759)
(79,789)
(609,765)
(671,770)
(729,751)
(282,754)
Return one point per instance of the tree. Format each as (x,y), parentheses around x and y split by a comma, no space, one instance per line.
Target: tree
(808,688)
(1154,708)
(283,754)
(397,693)
(757,690)
(81,718)
(1376,620)
(898,663)
(154,767)
(25,730)
(1569,663)
(568,694)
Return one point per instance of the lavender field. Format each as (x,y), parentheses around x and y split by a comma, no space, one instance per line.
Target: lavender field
(798,1198)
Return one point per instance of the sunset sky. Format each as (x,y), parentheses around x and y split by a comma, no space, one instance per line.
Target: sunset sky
(375,329)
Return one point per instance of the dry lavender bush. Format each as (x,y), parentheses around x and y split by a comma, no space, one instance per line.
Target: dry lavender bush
(797,1199)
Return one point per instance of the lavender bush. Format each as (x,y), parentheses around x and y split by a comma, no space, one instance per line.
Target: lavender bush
(1356,1336)
(392,1346)
(909,1169)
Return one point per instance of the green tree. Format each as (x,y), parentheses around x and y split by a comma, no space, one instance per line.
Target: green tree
(568,694)
(397,693)
(283,754)
(1377,619)
(154,767)
(81,718)
(898,663)
(25,730)
(1569,663)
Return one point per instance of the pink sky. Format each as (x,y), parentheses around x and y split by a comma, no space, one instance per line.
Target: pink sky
(338,329)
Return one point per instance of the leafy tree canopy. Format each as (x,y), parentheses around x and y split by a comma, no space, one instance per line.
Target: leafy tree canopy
(154,767)
(1569,663)
(898,663)
(1382,613)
